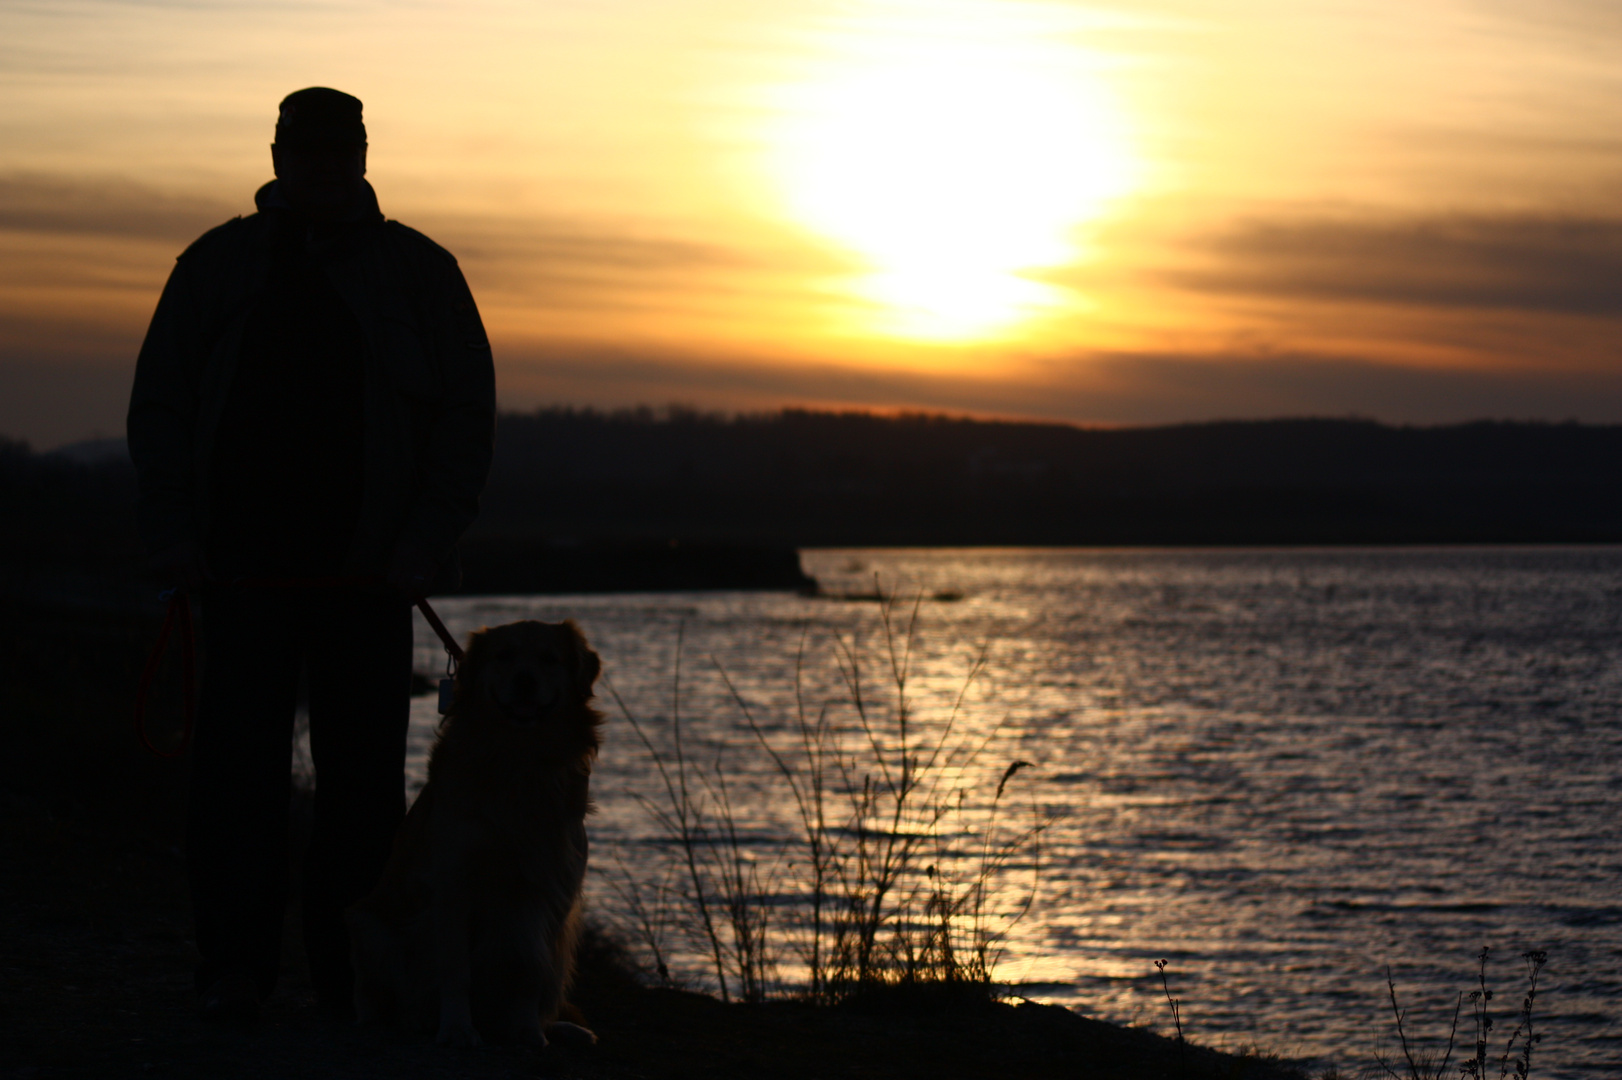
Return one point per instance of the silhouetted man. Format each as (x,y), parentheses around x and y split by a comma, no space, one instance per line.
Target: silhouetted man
(311,426)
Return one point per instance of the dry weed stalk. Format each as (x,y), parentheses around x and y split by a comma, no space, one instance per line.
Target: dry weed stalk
(873,796)
(685,817)
(1516,1060)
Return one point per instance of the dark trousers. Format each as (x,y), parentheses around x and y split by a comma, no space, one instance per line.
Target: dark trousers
(355,648)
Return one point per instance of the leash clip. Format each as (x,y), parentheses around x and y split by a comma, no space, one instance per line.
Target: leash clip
(453,656)
(447,685)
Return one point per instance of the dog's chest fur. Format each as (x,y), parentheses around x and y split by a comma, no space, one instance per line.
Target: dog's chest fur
(515,806)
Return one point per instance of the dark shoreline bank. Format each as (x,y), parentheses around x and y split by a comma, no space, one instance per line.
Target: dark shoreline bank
(533,565)
(523,567)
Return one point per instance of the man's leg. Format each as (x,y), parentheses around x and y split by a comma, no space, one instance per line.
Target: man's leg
(236,839)
(360,705)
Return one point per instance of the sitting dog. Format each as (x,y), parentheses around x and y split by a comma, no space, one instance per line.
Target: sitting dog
(474,922)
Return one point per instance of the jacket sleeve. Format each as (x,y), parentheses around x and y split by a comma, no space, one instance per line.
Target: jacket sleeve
(162,421)
(462,435)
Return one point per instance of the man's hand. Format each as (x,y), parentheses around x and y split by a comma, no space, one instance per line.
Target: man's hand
(180,566)
(412,569)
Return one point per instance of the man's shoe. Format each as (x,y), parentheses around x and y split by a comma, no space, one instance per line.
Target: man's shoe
(233,1001)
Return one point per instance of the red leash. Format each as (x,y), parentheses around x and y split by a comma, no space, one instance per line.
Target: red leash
(179,613)
(439,628)
(179,616)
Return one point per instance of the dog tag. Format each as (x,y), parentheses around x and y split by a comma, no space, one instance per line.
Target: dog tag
(447,695)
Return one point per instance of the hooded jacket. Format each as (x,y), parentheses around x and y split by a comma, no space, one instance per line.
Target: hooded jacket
(429,399)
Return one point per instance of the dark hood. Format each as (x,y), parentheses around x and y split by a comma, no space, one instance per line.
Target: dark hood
(270,198)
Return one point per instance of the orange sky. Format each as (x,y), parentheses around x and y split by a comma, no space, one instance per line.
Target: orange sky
(1168,210)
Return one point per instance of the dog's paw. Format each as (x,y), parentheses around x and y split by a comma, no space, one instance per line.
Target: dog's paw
(571,1035)
(458,1034)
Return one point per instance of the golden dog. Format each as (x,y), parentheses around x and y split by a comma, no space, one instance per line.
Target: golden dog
(474,922)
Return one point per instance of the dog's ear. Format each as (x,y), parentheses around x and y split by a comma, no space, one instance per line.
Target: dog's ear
(472,661)
(473,654)
(587,666)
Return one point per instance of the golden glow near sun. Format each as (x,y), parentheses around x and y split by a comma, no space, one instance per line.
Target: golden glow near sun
(952,146)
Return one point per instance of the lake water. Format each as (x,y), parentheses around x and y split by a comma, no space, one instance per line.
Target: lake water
(1281,771)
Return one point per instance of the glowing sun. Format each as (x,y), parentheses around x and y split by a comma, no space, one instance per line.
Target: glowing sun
(952,146)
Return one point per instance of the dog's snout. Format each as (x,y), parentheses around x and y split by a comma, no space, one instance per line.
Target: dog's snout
(527,691)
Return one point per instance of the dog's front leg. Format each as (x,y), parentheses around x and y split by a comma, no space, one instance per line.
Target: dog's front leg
(453,961)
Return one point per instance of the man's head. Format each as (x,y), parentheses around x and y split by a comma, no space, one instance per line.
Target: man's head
(320,151)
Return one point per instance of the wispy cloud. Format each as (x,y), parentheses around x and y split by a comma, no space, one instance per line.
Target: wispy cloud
(1599,22)
(1564,265)
(55,204)
(1113,388)
(604,265)
(520,250)
(72,234)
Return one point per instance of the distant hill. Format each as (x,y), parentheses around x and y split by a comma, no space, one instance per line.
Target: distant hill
(583,500)
(819,479)
(68,509)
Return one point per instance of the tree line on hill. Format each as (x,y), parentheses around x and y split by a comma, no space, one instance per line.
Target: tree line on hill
(677,498)
(835,479)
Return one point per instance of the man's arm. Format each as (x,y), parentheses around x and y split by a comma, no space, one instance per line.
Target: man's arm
(461,439)
(161,429)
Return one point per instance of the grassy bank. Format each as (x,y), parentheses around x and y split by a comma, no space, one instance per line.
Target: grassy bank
(95,976)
